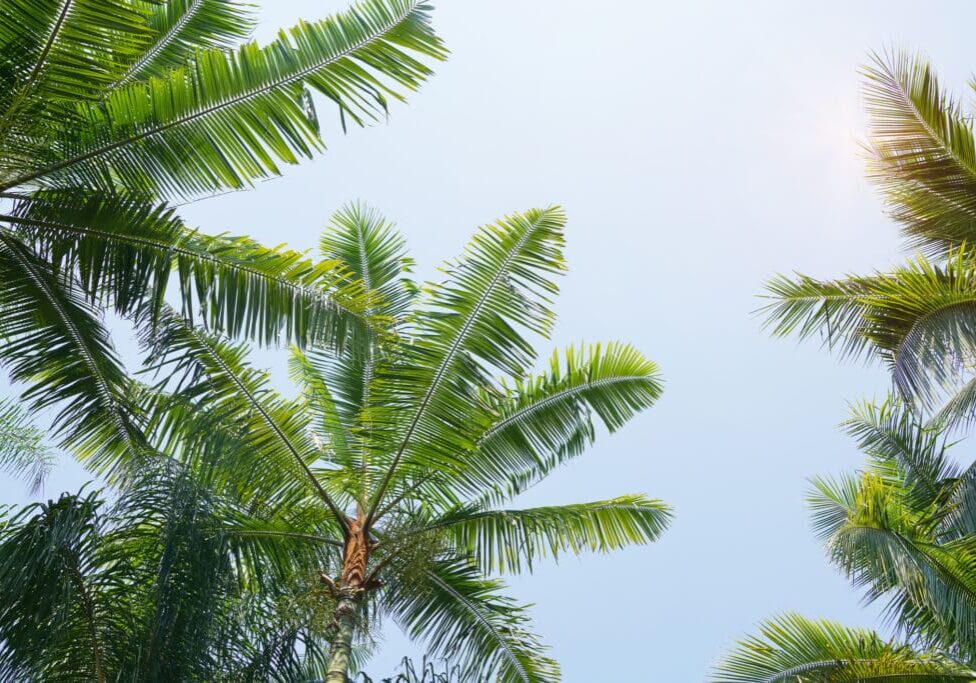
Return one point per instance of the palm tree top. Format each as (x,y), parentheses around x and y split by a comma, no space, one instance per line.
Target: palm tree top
(396,459)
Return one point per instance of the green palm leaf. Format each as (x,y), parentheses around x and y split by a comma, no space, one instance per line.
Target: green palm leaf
(223,120)
(792,649)
(924,156)
(125,250)
(460,613)
(23,448)
(182,27)
(511,540)
(501,283)
(55,343)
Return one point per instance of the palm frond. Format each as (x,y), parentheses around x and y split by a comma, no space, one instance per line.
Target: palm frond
(923,154)
(226,117)
(918,319)
(546,419)
(180,28)
(460,614)
(55,343)
(511,540)
(278,450)
(24,451)
(125,250)
(792,649)
(502,283)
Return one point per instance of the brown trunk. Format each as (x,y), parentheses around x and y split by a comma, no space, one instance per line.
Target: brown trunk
(355,556)
(355,559)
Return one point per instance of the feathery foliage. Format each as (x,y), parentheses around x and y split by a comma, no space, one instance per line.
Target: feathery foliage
(918,318)
(402,445)
(109,110)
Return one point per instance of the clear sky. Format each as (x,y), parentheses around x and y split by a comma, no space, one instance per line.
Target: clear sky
(698,148)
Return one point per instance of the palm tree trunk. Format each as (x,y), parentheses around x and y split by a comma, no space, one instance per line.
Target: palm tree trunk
(345,615)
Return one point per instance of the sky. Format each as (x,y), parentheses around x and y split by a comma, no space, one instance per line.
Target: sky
(698,148)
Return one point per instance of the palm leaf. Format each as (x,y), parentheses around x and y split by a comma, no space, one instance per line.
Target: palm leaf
(125,250)
(223,120)
(23,449)
(501,283)
(460,614)
(182,27)
(55,343)
(511,540)
(923,153)
(792,649)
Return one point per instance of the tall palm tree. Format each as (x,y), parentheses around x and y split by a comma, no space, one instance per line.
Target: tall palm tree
(904,530)
(109,109)
(393,465)
(917,319)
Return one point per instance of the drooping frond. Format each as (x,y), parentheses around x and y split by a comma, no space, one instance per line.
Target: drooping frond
(56,622)
(792,649)
(472,325)
(227,118)
(511,540)
(125,250)
(458,612)
(892,435)
(55,343)
(923,154)
(24,451)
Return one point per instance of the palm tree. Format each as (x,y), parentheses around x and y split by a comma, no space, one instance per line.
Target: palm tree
(904,531)
(145,590)
(392,467)
(917,319)
(111,109)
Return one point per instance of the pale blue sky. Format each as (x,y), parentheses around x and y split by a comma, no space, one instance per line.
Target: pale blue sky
(698,147)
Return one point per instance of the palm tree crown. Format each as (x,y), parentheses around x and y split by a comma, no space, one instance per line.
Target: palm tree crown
(391,469)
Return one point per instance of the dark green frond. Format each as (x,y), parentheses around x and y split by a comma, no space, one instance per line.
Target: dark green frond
(125,250)
(56,344)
